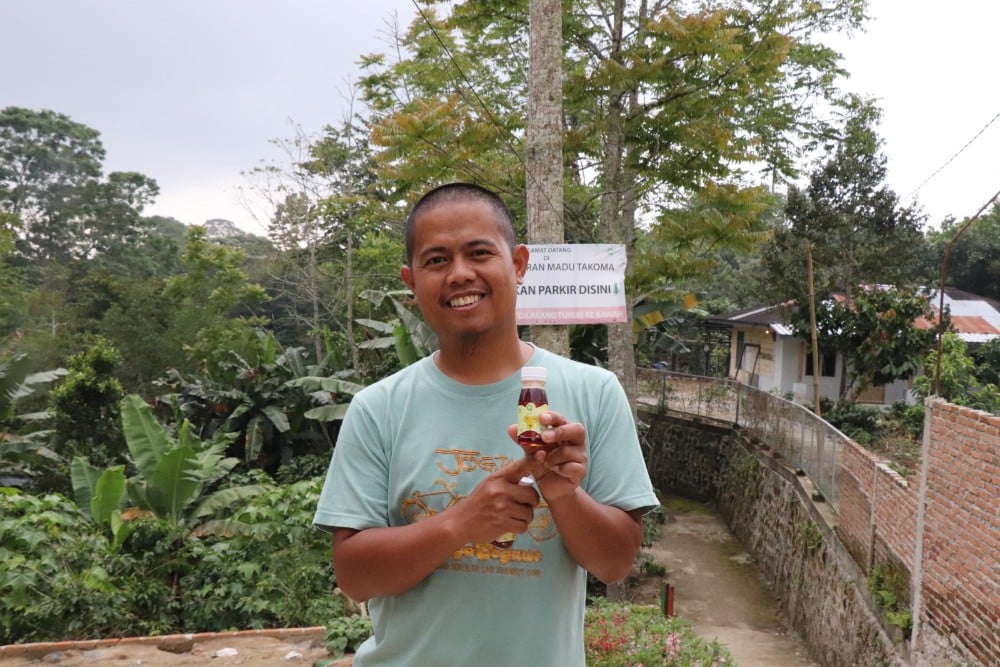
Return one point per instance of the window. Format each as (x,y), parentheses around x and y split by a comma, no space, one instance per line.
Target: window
(827,361)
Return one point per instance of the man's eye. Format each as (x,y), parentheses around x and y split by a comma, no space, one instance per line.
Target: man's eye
(434,260)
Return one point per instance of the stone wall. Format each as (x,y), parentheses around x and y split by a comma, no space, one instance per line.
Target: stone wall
(771,512)
(819,562)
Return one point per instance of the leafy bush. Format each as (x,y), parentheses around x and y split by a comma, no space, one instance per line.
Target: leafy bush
(619,635)
(277,575)
(63,578)
(909,417)
(59,575)
(852,419)
(346,634)
(889,584)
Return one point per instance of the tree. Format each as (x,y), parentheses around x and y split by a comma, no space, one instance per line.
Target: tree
(661,102)
(974,263)
(85,407)
(206,302)
(50,177)
(882,335)
(959,383)
(853,220)
(327,205)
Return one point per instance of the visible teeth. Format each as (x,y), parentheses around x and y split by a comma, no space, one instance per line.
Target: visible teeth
(464,301)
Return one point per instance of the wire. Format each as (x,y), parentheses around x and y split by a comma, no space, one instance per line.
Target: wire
(952,158)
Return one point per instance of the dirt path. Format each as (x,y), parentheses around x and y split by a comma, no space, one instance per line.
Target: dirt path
(718,589)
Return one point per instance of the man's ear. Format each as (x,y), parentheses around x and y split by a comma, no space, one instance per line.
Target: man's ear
(407,275)
(520,254)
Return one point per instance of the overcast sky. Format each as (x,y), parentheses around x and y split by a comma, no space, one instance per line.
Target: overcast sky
(191,92)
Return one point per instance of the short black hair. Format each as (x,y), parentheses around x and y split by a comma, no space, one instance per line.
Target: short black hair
(455,192)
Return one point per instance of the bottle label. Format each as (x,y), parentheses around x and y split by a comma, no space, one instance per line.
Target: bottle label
(528,417)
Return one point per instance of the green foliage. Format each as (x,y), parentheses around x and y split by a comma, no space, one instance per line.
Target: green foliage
(203,303)
(63,579)
(617,635)
(958,380)
(23,448)
(850,218)
(987,358)
(275,404)
(407,333)
(50,176)
(664,112)
(909,417)
(177,488)
(974,262)
(346,633)
(889,584)
(812,535)
(852,419)
(58,578)
(85,406)
(278,574)
(877,331)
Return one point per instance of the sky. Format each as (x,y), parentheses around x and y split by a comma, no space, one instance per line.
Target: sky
(193,92)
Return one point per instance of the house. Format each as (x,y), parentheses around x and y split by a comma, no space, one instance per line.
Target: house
(765,353)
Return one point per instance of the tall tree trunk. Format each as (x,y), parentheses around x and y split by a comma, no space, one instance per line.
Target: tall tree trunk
(349,298)
(618,208)
(544,158)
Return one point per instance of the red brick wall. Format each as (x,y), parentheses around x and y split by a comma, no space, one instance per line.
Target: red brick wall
(959,570)
(961,548)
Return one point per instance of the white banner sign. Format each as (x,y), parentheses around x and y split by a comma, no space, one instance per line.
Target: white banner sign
(580,283)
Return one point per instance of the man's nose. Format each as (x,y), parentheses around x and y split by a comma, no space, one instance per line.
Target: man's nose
(461,271)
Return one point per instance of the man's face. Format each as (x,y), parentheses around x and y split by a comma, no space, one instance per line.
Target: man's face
(463,272)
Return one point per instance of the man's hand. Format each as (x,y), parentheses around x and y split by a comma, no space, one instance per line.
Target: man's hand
(498,505)
(559,471)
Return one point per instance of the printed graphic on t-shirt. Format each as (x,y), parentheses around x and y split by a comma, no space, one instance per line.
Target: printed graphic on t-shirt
(522,559)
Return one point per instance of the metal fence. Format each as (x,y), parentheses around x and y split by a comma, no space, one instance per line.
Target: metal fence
(802,439)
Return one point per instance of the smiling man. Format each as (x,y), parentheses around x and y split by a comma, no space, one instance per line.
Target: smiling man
(426,472)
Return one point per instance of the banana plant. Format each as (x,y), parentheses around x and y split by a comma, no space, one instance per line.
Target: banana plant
(175,483)
(407,332)
(275,403)
(18,449)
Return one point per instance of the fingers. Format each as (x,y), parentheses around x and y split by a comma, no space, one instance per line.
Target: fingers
(513,472)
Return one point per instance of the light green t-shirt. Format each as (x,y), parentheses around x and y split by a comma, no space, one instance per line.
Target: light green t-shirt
(416,443)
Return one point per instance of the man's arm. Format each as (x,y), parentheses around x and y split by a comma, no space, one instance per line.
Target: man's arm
(377,562)
(602,539)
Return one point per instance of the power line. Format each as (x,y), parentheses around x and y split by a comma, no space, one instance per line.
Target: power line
(952,158)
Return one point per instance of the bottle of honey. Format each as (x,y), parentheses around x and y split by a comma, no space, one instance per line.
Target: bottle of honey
(531,403)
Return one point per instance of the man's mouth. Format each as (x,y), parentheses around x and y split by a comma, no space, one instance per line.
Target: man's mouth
(467,300)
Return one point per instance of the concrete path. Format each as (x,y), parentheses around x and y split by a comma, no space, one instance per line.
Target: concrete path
(718,589)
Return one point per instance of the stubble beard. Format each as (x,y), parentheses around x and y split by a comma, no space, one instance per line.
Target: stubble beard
(468,343)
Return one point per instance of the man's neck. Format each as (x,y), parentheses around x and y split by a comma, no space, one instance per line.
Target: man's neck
(482,364)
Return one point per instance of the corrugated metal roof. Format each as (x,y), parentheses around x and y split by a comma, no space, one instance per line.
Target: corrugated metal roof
(974,318)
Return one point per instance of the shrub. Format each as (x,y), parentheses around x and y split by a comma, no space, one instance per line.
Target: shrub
(57,578)
(277,575)
(621,635)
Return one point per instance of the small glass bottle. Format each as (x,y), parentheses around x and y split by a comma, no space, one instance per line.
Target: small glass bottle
(531,403)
